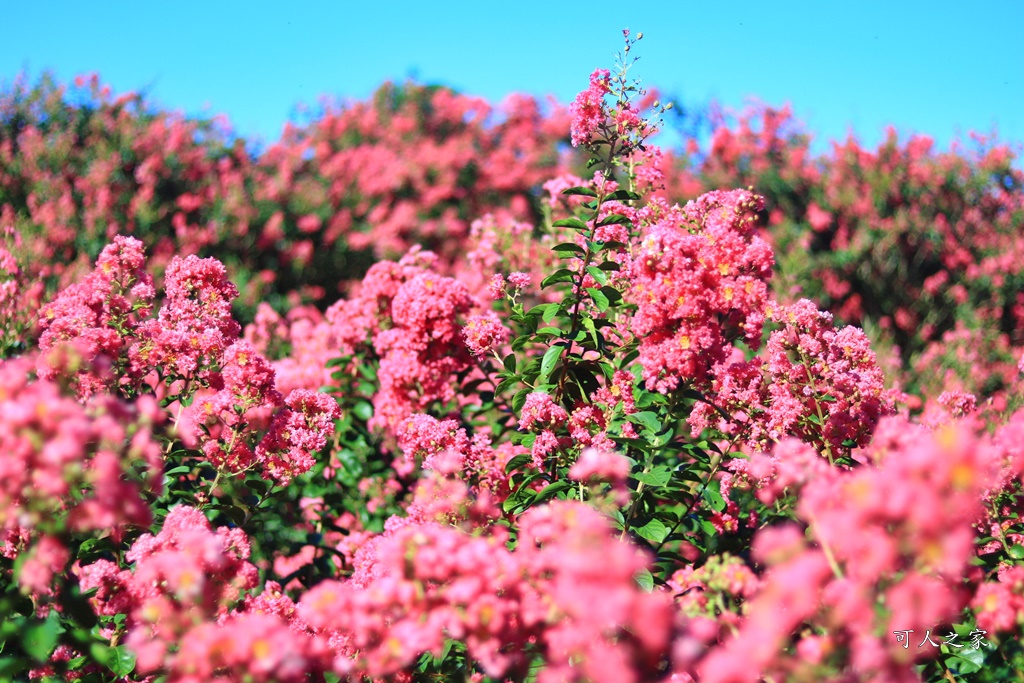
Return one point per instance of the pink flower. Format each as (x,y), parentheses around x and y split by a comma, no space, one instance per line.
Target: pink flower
(297,434)
(587,110)
(484,334)
(699,282)
(540,411)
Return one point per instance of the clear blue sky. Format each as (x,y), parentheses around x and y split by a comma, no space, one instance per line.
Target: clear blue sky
(935,67)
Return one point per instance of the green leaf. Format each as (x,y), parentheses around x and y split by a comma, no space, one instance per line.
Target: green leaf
(119,659)
(574,223)
(657,477)
(584,191)
(551,490)
(517,462)
(510,362)
(560,275)
(645,580)
(519,399)
(444,652)
(615,218)
(40,639)
(570,248)
(519,500)
(624,195)
(363,410)
(588,323)
(539,310)
(257,485)
(599,275)
(613,295)
(551,357)
(713,496)
(600,300)
(647,419)
(966,661)
(654,531)
(1016,551)
(506,384)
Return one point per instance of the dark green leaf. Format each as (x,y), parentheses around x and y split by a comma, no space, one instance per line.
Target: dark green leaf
(553,489)
(613,295)
(519,399)
(574,223)
(615,218)
(506,384)
(584,191)
(517,462)
(570,248)
(560,275)
(624,196)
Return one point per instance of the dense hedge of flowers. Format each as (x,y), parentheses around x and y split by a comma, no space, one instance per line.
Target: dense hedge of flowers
(583,435)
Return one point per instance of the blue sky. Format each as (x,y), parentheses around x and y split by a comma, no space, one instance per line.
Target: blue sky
(932,67)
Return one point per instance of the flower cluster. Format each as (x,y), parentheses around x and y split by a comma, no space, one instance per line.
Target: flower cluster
(892,547)
(567,589)
(70,468)
(187,573)
(296,434)
(98,317)
(700,283)
(587,110)
(194,327)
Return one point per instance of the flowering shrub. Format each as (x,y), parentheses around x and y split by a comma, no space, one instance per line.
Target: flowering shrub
(597,446)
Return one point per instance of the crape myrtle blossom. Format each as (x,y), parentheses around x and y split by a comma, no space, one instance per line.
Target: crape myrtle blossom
(409,316)
(179,598)
(194,327)
(484,334)
(888,547)
(191,354)
(587,110)
(567,589)
(700,283)
(819,383)
(69,467)
(99,317)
